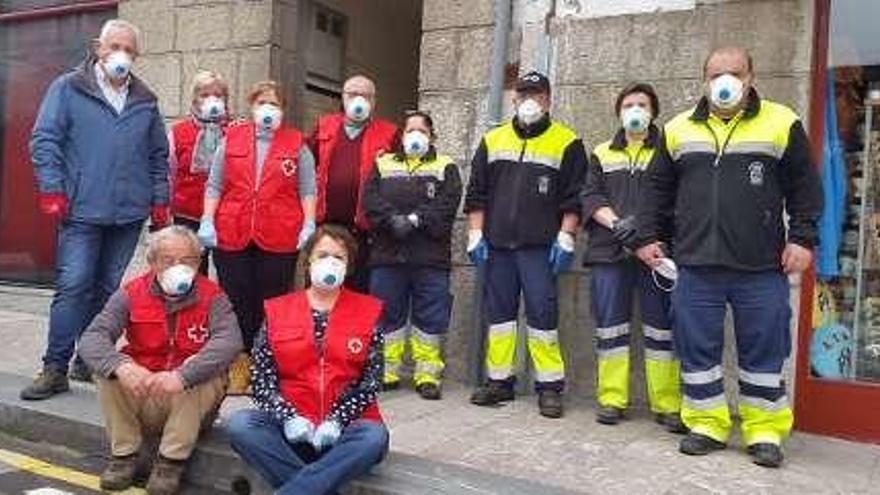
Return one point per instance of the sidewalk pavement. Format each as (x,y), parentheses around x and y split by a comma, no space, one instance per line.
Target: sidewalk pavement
(513,442)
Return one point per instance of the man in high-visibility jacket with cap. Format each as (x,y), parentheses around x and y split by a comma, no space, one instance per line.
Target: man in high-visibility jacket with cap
(735,165)
(523,205)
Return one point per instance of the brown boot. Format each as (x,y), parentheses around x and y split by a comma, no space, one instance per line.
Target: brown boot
(48,383)
(240,375)
(165,476)
(119,474)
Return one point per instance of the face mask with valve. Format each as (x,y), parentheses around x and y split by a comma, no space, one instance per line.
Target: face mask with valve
(177,280)
(212,109)
(327,273)
(726,91)
(416,144)
(267,117)
(117,65)
(529,111)
(358,109)
(635,119)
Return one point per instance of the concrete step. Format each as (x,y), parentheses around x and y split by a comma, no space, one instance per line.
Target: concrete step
(74,421)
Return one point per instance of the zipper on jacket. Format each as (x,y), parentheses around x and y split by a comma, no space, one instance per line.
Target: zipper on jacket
(716,177)
(171,321)
(517,181)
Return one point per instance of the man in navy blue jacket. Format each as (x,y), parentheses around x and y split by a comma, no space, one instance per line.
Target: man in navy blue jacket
(100,155)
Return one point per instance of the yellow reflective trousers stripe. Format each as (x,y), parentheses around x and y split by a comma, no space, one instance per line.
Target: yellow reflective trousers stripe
(395,347)
(662,378)
(546,355)
(427,355)
(501,350)
(770,422)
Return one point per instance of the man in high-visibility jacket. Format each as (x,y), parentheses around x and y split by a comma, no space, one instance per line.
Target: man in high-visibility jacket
(523,205)
(736,164)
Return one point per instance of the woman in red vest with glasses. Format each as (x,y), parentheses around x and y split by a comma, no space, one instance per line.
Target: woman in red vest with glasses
(259,210)
(318,367)
(192,144)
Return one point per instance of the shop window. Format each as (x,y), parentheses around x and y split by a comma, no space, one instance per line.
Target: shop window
(846,318)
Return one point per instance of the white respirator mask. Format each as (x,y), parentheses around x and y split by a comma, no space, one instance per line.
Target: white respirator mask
(268,117)
(358,109)
(635,119)
(416,144)
(327,273)
(177,280)
(118,65)
(667,271)
(529,111)
(212,108)
(726,91)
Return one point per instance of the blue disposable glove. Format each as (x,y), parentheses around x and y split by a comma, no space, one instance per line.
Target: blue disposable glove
(207,233)
(299,430)
(477,248)
(562,252)
(308,229)
(326,435)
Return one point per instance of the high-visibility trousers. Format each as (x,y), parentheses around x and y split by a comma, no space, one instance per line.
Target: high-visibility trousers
(419,295)
(761,314)
(612,286)
(510,273)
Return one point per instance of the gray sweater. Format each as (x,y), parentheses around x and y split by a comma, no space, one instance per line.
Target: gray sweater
(98,348)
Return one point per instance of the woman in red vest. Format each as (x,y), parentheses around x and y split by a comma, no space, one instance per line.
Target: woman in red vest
(260,196)
(318,367)
(192,144)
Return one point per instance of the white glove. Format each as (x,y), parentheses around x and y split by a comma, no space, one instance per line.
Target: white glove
(474,238)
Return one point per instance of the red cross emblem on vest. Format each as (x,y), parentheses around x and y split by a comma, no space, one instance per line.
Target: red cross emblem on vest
(288,167)
(355,345)
(197,334)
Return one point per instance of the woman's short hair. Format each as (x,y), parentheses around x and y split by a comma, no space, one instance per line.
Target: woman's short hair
(339,234)
(209,78)
(263,87)
(639,87)
(156,239)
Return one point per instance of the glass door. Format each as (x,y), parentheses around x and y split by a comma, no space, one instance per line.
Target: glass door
(838,388)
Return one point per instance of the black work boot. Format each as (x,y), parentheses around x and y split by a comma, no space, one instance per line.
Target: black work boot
(550,403)
(48,383)
(165,477)
(766,454)
(119,474)
(608,415)
(672,422)
(696,444)
(390,386)
(79,371)
(492,393)
(429,391)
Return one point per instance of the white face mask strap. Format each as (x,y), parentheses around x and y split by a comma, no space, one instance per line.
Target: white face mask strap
(660,285)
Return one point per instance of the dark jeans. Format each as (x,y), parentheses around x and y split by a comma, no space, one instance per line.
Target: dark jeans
(417,292)
(359,280)
(194,226)
(90,263)
(249,277)
(295,469)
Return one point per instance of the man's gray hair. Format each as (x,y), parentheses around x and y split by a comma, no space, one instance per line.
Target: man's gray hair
(156,239)
(115,25)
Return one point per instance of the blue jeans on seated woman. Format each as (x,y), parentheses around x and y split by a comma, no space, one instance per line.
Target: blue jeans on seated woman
(258,437)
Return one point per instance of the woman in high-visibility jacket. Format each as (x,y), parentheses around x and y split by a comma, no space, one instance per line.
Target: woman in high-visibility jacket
(261,198)
(192,144)
(410,201)
(618,170)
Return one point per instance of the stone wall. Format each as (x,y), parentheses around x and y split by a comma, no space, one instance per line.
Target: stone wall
(591,52)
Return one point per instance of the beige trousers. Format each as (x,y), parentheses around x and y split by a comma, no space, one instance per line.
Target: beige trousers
(176,419)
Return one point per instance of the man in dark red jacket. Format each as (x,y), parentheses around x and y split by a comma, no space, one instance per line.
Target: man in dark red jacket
(170,377)
(345,145)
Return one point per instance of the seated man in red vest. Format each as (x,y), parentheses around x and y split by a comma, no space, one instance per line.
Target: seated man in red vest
(170,376)
(317,368)
(345,145)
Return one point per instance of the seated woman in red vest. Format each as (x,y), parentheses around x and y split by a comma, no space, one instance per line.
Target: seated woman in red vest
(192,144)
(317,369)
(170,377)
(261,197)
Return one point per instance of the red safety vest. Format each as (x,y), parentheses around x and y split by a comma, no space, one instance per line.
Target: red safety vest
(268,213)
(313,382)
(189,188)
(150,343)
(379,136)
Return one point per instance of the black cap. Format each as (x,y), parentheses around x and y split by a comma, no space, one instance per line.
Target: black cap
(533,82)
